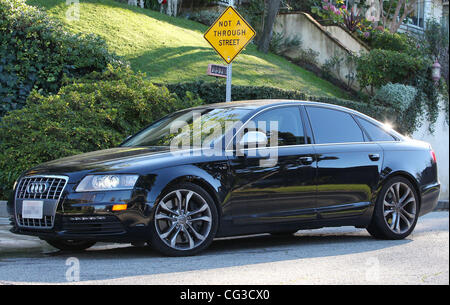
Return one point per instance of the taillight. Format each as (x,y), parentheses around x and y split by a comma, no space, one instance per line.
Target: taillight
(433,155)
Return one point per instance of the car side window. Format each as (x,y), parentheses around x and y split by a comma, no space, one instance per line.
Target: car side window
(375,133)
(286,123)
(333,126)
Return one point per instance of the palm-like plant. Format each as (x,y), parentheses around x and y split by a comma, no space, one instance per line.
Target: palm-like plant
(352,19)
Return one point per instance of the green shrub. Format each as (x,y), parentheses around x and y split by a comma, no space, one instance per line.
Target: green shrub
(398,96)
(299,5)
(307,57)
(437,39)
(36,53)
(214,92)
(403,59)
(379,67)
(280,44)
(399,42)
(95,113)
(253,11)
(205,17)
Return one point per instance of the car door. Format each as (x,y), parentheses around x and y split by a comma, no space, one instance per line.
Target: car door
(275,190)
(348,165)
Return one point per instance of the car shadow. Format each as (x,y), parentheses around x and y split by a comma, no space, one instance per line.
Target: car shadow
(224,252)
(293,246)
(118,261)
(112,261)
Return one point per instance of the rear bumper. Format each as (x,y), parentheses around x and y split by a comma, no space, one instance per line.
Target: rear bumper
(429,198)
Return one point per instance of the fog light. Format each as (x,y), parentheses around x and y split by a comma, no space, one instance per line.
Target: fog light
(119,207)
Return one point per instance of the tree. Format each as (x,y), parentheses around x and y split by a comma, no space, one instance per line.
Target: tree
(271,11)
(394,12)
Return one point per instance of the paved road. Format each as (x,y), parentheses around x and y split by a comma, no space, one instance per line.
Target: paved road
(327,256)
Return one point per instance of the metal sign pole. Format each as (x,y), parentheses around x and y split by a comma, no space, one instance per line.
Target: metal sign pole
(228,87)
(229,70)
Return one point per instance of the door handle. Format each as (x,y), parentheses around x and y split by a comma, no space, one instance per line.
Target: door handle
(374,157)
(306,160)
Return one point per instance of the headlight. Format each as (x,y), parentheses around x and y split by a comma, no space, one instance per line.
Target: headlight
(92,183)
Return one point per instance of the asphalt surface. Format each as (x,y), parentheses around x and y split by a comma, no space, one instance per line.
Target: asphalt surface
(327,256)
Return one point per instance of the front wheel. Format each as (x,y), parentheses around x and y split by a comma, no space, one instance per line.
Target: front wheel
(185,221)
(396,210)
(70,245)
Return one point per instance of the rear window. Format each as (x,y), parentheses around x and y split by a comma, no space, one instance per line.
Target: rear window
(375,133)
(333,126)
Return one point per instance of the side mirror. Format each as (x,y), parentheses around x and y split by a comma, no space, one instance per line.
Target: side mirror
(253,139)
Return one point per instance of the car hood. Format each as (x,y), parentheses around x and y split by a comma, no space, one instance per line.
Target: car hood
(120,159)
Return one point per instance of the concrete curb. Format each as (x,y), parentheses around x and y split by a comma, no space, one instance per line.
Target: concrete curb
(3,212)
(441,206)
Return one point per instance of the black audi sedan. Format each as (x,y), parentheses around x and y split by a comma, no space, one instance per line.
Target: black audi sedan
(268,166)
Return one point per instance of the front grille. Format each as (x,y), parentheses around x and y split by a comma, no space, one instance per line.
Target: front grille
(49,189)
(53,189)
(44,223)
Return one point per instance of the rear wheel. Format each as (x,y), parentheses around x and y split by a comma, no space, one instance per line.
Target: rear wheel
(185,221)
(70,245)
(396,210)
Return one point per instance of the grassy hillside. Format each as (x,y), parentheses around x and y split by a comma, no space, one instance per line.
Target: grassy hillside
(173,49)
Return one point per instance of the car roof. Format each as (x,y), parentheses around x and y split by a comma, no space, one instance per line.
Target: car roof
(252,104)
(261,104)
(257,105)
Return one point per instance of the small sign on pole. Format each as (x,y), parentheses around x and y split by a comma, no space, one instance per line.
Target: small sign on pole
(229,35)
(217,70)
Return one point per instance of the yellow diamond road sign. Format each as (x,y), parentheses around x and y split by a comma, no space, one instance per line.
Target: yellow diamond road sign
(229,34)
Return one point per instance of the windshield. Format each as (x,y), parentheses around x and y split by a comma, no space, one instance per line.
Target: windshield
(191,128)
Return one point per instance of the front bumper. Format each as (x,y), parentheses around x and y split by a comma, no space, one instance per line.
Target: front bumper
(101,229)
(98,227)
(89,216)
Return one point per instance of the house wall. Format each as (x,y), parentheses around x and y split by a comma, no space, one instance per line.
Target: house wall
(326,41)
(373,11)
(350,42)
(439,140)
(445,14)
(433,9)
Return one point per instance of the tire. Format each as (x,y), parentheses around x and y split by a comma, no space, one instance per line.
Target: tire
(70,245)
(396,210)
(177,230)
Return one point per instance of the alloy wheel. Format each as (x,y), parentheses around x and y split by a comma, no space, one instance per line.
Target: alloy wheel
(399,208)
(183,219)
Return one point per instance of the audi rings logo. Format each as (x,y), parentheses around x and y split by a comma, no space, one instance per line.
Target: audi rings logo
(37,188)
